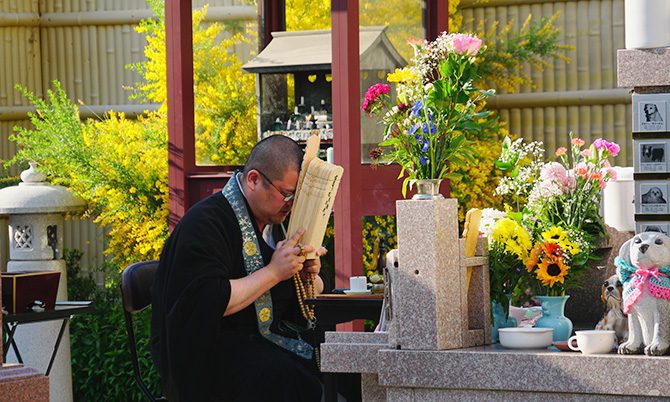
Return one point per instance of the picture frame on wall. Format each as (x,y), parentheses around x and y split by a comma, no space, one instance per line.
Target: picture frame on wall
(651,197)
(650,113)
(651,156)
(652,226)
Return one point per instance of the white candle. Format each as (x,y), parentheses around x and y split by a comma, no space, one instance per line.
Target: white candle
(330,155)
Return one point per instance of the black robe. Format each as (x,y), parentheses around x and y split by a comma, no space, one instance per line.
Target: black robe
(202,355)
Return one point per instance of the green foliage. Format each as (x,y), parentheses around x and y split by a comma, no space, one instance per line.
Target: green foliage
(117,165)
(533,44)
(101,362)
(9,181)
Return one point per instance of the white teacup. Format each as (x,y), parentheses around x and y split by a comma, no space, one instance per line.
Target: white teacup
(358,284)
(592,341)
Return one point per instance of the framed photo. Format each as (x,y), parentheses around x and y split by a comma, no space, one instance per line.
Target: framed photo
(651,197)
(651,155)
(651,226)
(649,112)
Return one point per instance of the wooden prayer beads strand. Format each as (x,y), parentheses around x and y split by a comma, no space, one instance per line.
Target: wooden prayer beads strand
(307,312)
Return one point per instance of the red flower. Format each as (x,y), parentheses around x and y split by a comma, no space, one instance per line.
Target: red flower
(372,94)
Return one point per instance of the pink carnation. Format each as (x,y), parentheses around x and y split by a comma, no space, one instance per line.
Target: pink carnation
(612,147)
(372,94)
(585,153)
(577,141)
(581,169)
(560,151)
(610,172)
(466,44)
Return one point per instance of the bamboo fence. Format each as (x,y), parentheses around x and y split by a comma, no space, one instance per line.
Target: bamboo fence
(85,44)
(581,96)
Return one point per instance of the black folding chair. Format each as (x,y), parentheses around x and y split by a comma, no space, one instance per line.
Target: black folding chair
(135,285)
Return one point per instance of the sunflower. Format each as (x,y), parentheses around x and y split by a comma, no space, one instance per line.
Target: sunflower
(560,236)
(551,270)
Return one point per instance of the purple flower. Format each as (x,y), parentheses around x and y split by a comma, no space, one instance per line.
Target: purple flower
(423,160)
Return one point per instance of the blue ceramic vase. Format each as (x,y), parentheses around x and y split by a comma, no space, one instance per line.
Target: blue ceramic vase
(553,317)
(500,321)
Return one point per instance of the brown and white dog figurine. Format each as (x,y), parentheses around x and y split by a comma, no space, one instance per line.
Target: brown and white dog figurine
(614,318)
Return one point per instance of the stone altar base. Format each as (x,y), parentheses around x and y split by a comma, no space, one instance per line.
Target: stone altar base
(23,384)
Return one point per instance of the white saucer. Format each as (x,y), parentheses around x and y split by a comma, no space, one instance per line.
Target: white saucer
(357,293)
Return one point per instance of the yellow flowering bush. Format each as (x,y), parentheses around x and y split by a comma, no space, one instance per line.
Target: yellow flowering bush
(117,165)
(225,96)
(379,236)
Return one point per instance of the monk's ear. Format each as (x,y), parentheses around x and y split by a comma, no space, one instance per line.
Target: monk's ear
(253,179)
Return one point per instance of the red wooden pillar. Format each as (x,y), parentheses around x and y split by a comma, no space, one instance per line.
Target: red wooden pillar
(181,128)
(347,139)
(271,18)
(436,18)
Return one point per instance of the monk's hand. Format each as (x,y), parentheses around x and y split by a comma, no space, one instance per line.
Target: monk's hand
(313,266)
(288,257)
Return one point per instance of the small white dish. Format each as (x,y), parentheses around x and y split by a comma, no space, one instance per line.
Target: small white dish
(357,292)
(526,337)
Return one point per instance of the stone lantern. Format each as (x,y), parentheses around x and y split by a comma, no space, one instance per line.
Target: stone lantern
(36,212)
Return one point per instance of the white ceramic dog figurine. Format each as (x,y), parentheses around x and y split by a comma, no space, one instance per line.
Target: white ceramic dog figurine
(614,318)
(643,266)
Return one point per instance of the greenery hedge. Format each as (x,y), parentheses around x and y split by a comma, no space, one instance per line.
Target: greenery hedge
(101,362)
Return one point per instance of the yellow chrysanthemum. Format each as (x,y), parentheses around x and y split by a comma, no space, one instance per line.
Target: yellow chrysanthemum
(551,270)
(513,236)
(401,75)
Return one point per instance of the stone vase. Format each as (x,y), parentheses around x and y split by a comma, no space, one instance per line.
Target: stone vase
(553,316)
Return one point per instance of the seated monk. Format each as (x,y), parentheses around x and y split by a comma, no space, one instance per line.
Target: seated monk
(226,322)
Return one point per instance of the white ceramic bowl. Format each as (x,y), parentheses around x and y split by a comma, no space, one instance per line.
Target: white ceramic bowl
(525,338)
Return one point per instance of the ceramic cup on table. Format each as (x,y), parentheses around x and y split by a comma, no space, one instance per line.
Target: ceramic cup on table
(358,284)
(592,341)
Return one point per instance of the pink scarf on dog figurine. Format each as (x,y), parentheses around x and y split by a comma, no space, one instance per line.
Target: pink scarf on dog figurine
(633,279)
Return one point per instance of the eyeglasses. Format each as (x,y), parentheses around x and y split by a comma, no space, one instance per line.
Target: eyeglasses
(286,198)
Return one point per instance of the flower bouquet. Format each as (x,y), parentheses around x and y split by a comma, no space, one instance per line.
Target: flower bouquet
(432,109)
(558,205)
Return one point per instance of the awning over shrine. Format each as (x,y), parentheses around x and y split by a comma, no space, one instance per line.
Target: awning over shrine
(312,50)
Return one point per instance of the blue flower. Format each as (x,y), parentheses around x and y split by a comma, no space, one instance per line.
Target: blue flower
(433,128)
(426,144)
(423,160)
(413,129)
(416,108)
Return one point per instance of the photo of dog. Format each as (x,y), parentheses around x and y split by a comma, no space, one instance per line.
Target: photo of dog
(642,266)
(654,228)
(614,318)
(653,153)
(653,196)
(651,112)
